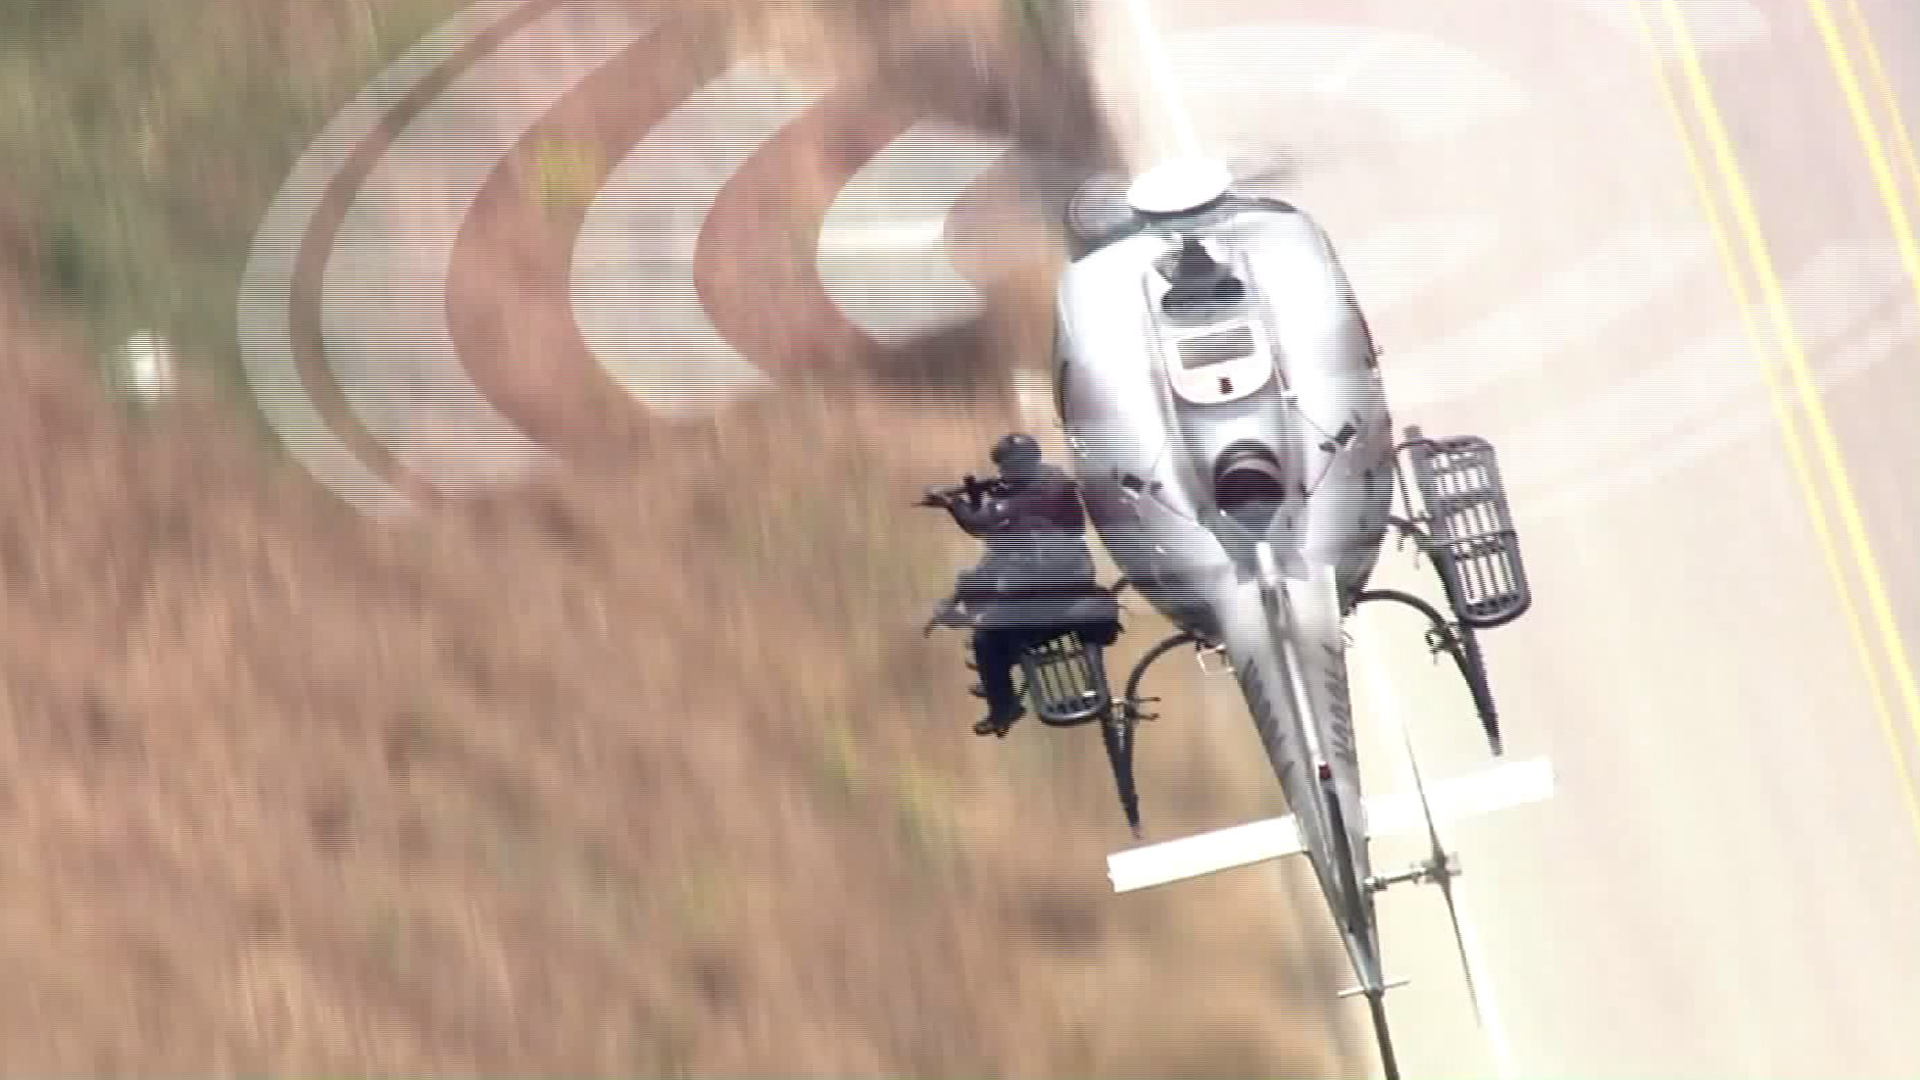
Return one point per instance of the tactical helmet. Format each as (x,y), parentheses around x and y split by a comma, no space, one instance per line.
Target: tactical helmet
(1016,451)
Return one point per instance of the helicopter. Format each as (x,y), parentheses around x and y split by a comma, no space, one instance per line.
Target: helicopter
(1219,389)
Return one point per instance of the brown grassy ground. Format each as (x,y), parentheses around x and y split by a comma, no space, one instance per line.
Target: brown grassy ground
(605,777)
(640,771)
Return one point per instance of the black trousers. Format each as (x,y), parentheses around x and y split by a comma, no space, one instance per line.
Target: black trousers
(995,652)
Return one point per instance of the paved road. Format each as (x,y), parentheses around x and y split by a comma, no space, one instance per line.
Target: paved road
(1728,880)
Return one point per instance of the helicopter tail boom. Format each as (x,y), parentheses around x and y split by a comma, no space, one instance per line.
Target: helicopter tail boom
(1502,786)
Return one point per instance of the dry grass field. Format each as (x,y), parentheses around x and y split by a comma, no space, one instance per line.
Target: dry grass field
(638,769)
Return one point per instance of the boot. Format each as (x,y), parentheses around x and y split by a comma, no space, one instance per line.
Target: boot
(997,724)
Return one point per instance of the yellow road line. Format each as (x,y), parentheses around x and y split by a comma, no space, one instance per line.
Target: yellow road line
(1889,628)
(1796,448)
(1869,132)
(1889,102)
(1890,196)
(1795,356)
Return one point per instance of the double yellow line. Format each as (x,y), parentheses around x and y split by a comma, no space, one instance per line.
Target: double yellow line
(1864,125)
(1884,647)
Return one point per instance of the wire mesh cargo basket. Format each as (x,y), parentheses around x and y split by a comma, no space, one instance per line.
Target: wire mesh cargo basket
(1470,523)
(1066,680)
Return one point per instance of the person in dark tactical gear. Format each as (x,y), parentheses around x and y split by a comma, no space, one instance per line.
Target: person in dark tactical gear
(1036,570)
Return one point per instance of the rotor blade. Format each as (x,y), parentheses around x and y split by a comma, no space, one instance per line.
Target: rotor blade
(1265,168)
(1460,942)
(1420,789)
(1444,878)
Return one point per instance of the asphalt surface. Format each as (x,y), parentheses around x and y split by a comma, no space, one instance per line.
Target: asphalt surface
(1727,882)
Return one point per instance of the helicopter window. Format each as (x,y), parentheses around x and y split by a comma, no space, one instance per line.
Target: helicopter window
(1189,303)
(1206,350)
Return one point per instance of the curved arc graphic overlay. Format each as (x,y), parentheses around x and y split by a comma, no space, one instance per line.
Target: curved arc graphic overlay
(634,294)
(1396,74)
(1848,302)
(264,310)
(1393,266)
(390,347)
(509,289)
(767,300)
(883,254)
(1427,88)
(1715,24)
(1621,275)
(1423,88)
(884,251)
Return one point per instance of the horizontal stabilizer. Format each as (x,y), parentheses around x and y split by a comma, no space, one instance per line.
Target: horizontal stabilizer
(1508,784)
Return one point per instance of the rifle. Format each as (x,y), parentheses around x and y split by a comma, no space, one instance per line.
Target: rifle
(970,486)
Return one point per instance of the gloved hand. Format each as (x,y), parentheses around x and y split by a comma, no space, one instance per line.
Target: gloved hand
(947,614)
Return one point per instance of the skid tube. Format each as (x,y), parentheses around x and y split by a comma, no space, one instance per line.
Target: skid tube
(1459,642)
(1117,728)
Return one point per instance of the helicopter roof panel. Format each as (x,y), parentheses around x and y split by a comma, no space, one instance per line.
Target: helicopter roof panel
(1179,187)
(1109,299)
(1280,242)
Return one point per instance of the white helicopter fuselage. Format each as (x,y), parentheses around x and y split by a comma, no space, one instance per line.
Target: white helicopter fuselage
(1233,443)
(1221,394)
(1151,403)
